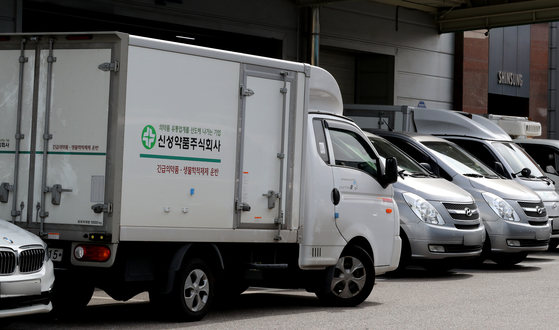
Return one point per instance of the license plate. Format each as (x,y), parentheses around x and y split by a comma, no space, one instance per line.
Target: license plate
(23,288)
(55,254)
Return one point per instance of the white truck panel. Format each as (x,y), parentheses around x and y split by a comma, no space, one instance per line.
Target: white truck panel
(76,153)
(9,71)
(172,184)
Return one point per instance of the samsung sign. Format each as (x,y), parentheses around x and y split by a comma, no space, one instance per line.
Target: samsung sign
(509,78)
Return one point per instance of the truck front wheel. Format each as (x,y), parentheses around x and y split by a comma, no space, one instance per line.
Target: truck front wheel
(351,280)
(193,291)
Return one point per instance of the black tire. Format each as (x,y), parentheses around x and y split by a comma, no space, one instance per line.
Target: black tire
(351,280)
(553,244)
(69,296)
(405,255)
(508,259)
(193,291)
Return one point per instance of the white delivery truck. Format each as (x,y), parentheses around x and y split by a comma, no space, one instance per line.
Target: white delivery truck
(188,172)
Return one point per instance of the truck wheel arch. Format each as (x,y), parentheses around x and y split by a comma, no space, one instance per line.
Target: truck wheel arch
(212,255)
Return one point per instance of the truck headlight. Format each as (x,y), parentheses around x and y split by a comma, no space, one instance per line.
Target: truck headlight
(501,207)
(423,209)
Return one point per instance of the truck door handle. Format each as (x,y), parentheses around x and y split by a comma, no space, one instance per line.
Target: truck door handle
(335,196)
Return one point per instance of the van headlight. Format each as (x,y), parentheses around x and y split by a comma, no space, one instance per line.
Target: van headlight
(423,209)
(501,207)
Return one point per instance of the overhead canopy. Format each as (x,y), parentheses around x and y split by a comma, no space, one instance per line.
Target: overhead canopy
(464,15)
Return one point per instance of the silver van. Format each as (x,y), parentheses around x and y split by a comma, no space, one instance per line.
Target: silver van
(440,223)
(490,143)
(514,216)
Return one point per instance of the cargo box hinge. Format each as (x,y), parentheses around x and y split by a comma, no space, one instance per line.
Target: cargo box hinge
(115,66)
(246,91)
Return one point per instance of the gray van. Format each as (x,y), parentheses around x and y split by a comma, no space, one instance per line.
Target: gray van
(440,224)
(490,143)
(514,216)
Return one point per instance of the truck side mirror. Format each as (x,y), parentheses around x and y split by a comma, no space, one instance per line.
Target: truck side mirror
(390,172)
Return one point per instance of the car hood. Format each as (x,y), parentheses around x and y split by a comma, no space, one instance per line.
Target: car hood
(506,189)
(13,236)
(433,189)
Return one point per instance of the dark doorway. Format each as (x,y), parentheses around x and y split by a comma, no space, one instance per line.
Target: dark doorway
(508,105)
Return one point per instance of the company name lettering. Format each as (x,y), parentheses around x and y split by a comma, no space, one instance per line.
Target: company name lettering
(508,78)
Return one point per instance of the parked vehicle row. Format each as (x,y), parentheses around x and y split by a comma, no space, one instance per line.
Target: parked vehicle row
(517,207)
(194,173)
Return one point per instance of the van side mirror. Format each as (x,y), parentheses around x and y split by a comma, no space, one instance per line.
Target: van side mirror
(390,172)
(499,168)
(426,166)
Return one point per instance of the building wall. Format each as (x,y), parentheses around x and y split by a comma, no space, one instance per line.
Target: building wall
(424,58)
(539,56)
(480,62)
(473,85)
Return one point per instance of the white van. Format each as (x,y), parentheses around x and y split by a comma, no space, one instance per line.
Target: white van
(440,224)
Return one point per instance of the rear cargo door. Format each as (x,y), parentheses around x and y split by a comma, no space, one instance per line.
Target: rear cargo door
(72,136)
(265,129)
(63,136)
(16,101)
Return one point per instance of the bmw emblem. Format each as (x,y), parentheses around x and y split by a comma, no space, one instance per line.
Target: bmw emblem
(8,240)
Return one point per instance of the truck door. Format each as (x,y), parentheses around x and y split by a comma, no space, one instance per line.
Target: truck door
(265,129)
(64,126)
(16,101)
(362,200)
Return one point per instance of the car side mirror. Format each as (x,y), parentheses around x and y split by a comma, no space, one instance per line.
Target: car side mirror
(390,172)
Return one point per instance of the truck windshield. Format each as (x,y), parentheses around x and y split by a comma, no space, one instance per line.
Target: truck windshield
(405,164)
(517,158)
(459,160)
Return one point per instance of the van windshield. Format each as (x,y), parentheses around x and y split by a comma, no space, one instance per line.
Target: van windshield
(405,163)
(459,160)
(517,158)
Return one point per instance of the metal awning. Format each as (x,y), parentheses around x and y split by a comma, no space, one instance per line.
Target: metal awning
(464,15)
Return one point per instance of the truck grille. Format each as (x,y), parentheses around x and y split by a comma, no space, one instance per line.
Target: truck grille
(7,262)
(31,260)
(462,211)
(535,210)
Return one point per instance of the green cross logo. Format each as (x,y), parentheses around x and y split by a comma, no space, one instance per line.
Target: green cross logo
(148,137)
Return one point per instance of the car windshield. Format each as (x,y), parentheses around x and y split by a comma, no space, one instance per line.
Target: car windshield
(517,158)
(406,165)
(459,159)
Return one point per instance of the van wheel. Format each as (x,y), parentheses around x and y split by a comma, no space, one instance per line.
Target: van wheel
(351,280)
(193,291)
(508,259)
(69,296)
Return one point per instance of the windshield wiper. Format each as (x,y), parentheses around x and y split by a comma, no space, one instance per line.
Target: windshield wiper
(473,175)
(492,176)
(546,179)
(419,175)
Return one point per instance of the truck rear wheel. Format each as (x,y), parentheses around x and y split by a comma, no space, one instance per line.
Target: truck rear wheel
(193,291)
(351,280)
